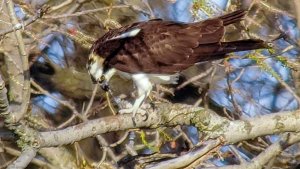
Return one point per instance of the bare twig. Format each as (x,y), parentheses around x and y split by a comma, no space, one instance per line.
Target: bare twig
(61,5)
(64,103)
(195,78)
(237,154)
(24,24)
(231,92)
(136,8)
(273,9)
(188,158)
(146,2)
(121,140)
(100,139)
(86,12)
(272,151)
(104,143)
(91,101)
(185,137)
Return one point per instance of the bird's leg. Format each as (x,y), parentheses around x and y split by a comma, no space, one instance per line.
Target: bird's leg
(105,79)
(144,88)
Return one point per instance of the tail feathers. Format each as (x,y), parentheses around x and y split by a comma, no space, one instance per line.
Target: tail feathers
(243,45)
(214,51)
(233,17)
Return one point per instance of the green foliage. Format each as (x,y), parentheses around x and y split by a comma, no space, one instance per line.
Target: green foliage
(165,135)
(260,61)
(206,6)
(285,62)
(145,142)
(202,5)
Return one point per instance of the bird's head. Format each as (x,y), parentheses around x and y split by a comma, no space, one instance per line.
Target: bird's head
(95,67)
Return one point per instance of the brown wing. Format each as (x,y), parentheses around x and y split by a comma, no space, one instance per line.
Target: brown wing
(163,46)
(167,47)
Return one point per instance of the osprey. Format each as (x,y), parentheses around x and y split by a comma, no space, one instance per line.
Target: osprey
(156,51)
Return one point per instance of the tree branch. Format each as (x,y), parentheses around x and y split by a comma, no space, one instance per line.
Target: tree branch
(23,25)
(297,10)
(24,159)
(272,151)
(86,12)
(188,158)
(18,114)
(4,106)
(206,121)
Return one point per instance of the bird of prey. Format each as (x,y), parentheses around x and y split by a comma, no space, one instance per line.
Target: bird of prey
(155,51)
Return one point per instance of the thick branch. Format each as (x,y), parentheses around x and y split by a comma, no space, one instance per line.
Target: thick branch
(177,114)
(25,66)
(117,123)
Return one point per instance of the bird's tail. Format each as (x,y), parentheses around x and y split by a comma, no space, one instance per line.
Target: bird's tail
(233,17)
(220,50)
(243,45)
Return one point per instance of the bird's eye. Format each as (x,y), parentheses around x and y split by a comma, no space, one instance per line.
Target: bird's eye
(102,79)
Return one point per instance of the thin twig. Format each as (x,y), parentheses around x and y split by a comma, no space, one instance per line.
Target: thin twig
(237,154)
(272,151)
(91,100)
(121,140)
(188,158)
(231,92)
(285,85)
(86,12)
(195,78)
(61,5)
(24,24)
(64,103)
